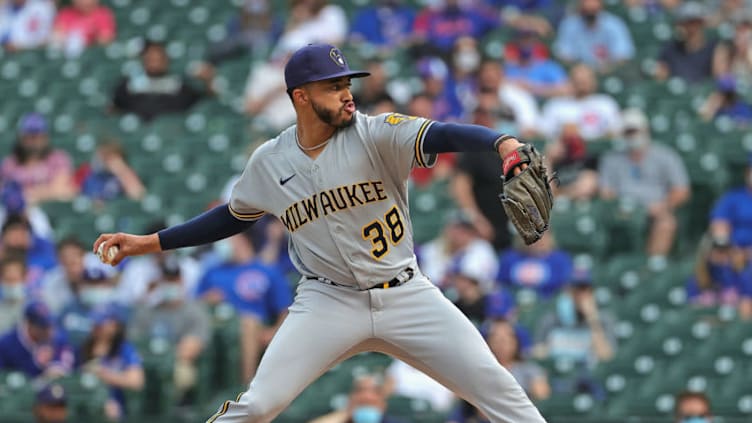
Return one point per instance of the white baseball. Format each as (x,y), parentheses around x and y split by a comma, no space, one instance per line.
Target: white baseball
(111,253)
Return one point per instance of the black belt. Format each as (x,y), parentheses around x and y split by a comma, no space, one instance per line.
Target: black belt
(401,278)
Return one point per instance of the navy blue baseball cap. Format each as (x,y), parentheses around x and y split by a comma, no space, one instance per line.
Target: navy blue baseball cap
(32,123)
(51,394)
(317,62)
(37,314)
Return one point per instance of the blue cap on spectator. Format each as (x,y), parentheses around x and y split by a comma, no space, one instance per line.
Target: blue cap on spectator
(32,123)
(433,68)
(38,314)
(499,305)
(317,62)
(726,84)
(581,277)
(12,197)
(51,394)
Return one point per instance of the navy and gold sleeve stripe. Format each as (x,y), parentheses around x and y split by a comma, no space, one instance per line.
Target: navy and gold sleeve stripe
(246,216)
(419,157)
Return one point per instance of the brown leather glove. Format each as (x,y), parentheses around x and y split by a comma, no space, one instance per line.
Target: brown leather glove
(526,197)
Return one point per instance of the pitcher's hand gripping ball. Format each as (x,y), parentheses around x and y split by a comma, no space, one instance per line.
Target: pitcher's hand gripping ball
(526,197)
(109,256)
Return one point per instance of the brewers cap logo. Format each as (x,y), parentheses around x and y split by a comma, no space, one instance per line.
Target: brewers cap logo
(337,57)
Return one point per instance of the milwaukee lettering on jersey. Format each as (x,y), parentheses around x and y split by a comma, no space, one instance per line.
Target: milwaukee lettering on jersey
(331,201)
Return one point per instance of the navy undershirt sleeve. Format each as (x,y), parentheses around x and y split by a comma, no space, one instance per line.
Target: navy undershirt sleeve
(453,137)
(207,227)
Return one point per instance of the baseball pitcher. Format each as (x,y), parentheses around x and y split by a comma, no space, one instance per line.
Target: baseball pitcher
(337,179)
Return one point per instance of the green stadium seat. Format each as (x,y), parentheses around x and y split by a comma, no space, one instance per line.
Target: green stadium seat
(16,393)
(86,396)
(563,405)
(578,226)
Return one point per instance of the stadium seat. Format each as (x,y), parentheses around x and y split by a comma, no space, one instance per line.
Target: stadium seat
(86,396)
(578,226)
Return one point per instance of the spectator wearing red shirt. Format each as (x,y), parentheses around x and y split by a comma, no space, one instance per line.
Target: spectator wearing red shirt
(83,24)
(440,27)
(44,173)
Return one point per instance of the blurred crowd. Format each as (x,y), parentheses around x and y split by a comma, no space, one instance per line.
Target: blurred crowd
(62,311)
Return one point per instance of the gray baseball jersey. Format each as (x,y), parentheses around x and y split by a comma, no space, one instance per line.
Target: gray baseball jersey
(346,211)
(347,215)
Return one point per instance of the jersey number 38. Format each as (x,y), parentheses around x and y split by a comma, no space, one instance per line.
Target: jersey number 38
(384,232)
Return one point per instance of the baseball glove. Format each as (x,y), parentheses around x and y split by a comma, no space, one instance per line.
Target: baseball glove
(527,197)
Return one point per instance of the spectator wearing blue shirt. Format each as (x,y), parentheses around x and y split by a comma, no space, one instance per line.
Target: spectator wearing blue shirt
(18,238)
(115,361)
(108,175)
(540,267)
(13,202)
(387,24)
(439,86)
(501,306)
(722,276)
(34,347)
(528,65)
(731,216)
(726,102)
(594,36)
(258,292)
(534,15)
(439,28)
(95,289)
(465,62)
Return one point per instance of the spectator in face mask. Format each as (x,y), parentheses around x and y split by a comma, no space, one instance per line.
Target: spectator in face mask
(182,323)
(692,407)
(45,173)
(258,292)
(61,284)
(593,36)
(51,404)
(139,272)
(651,175)
(528,65)
(368,400)
(12,291)
(577,330)
(465,62)
(96,289)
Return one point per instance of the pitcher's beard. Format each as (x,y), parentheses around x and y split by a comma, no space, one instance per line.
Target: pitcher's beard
(329,116)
